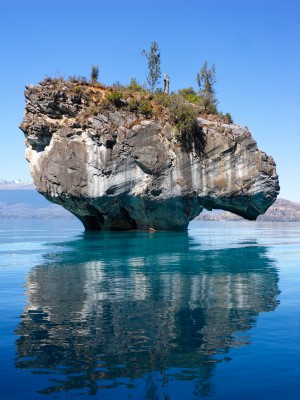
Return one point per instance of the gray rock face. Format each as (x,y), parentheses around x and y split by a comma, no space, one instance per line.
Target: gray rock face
(118,171)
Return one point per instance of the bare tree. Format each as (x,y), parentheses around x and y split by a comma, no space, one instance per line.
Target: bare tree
(166,83)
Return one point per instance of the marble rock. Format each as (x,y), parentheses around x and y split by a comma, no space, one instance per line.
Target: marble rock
(119,171)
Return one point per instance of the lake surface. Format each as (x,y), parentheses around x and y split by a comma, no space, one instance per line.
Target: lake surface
(213,313)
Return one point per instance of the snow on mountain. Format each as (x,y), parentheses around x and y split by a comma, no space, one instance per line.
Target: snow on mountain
(15,184)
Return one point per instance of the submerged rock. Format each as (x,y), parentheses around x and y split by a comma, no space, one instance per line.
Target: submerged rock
(116,170)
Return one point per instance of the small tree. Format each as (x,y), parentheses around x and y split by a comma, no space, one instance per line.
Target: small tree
(94,73)
(228,118)
(206,80)
(154,72)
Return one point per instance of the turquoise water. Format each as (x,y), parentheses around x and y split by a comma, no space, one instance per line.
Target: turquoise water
(212,313)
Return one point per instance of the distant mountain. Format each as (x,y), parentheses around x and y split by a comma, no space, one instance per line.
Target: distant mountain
(20,200)
(16,184)
(26,202)
(281,211)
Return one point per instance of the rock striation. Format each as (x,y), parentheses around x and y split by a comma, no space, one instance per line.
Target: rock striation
(115,169)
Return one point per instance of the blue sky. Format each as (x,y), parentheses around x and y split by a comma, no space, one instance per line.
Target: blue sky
(255,45)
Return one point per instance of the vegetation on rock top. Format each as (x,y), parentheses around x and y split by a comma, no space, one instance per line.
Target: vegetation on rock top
(180,109)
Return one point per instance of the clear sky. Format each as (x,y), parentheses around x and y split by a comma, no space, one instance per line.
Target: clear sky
(255,45)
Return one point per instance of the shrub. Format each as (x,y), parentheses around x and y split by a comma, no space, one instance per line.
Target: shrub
(228,119)
(57,81)
(193,98)
(78,89)
(161,98)
(209,103)
(145,108)
(134,86)
(116,98)
(78,79)
(118,86)
(133,105)
(180,109)
(190,95)
(186,91)
(94,73)
(189,134)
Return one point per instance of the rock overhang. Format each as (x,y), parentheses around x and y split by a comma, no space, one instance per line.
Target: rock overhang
(116,170)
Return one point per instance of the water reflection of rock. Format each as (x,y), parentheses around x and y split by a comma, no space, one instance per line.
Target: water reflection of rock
(122,306)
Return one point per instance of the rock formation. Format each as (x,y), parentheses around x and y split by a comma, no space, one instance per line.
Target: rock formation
(116,169)
(280,211)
